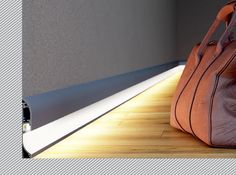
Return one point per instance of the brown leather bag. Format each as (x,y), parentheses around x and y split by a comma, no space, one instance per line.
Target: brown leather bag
(204,103)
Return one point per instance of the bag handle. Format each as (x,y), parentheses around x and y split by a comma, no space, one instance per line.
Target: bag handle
(226,34)
(224,15)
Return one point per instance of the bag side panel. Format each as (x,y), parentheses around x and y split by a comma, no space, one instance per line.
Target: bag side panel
(223,114)
(200,118)
(185,102)
(190,67)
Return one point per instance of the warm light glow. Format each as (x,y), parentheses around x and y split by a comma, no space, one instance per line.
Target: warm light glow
(35,140)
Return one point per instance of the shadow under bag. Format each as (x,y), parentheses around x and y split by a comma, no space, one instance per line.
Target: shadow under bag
(204,103)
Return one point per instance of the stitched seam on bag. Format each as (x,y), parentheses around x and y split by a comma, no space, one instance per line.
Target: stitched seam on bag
(214,92)
(181,93)
(214,59)
(195,92)
(193,133)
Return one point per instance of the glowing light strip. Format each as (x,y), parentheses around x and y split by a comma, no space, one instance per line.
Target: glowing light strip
(36,140)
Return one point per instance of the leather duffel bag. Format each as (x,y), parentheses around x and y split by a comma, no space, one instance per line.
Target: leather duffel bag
(204,103)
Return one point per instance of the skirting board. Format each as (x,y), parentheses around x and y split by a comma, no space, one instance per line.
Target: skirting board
(39,139)
(44,108)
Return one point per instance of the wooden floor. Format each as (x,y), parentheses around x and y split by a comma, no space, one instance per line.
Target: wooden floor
(138,128)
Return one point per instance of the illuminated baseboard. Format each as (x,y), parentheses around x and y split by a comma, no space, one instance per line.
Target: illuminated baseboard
(41,138)
(44,108)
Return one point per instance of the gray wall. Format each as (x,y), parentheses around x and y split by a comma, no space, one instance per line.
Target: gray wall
(194,17)
(67,42)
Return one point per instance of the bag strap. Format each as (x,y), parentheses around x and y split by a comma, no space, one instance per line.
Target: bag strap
(223,14)
(226,34)
(226,14)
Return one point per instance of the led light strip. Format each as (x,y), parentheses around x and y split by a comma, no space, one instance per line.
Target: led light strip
(37,140)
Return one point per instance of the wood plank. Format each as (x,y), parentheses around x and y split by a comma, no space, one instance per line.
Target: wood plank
(138,128)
